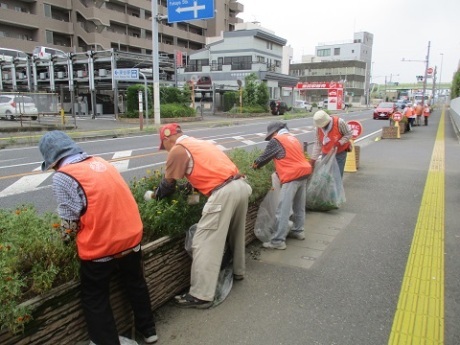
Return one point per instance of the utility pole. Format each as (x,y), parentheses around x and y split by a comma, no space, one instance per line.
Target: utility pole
(427,60)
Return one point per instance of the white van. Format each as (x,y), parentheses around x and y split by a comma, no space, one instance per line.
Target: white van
(46,53)
(9,55)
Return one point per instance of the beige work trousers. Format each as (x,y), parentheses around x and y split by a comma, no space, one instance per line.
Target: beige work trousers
(223,214)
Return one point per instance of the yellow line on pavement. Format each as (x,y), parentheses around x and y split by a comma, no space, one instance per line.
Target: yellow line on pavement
(419,317)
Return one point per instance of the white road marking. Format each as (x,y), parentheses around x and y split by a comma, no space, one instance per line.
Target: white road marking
(122,165)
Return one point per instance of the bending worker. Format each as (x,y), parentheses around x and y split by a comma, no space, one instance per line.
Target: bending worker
(212,173)
(331,132)
(98,210)
(292,169)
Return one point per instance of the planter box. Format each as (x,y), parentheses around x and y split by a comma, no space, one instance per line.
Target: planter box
(390,133)
(58,317)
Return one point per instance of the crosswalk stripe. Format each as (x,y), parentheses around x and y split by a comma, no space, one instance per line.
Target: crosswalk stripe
(25,184)
(122,165)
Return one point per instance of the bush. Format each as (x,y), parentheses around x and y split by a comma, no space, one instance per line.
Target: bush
(34,259)
(176,110)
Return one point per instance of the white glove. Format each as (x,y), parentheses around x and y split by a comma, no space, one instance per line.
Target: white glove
(149,195)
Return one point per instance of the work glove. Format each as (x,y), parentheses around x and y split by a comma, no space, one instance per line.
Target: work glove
(149,195)
(185,188)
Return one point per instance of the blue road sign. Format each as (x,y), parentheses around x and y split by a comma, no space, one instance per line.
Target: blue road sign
(186,10)
(126,74)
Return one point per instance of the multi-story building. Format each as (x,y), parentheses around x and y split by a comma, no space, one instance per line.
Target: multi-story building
(348,62)
(82,25)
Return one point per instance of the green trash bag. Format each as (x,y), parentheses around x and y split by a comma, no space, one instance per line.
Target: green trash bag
(324,187)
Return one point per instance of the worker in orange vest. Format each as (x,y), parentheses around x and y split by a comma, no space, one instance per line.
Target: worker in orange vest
(418,113)
(409,113)
(426,114)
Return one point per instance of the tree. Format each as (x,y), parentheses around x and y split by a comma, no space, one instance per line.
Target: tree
(455,91)
(262,95)
(250,90)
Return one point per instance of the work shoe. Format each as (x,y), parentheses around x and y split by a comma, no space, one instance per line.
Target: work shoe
(188,301)
(150,336)
(298,235)
(269,245)
(238,277)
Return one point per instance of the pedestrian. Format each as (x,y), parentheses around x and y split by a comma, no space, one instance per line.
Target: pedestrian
(418,110)
(213,174)
(332,131)
(410,114)
(426,113)
(293,169)
(98,211)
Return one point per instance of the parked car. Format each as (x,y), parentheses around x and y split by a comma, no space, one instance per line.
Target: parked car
(304,105)
(204,83)
(13,106)
(384,110)
(322,104)
(46,53)
(9,55)
(278,107)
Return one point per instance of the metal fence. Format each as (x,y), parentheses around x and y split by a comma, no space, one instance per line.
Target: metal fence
(28,104)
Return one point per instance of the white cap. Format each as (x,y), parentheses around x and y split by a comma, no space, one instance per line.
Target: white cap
(321,118)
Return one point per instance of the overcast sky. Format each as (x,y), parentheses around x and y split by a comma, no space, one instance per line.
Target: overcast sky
(401,29)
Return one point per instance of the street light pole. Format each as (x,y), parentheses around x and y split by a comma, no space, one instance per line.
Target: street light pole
(440,75)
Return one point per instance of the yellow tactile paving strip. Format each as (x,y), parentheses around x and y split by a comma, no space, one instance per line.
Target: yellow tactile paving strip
(419,317)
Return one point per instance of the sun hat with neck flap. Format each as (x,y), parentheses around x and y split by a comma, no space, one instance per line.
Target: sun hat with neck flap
(321,118)
(54,146)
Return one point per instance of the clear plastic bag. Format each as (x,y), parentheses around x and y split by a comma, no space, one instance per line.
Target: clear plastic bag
(325,188)
(264,226)
(225,280)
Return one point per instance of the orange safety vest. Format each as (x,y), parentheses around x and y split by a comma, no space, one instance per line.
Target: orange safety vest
(211,166)
(334,136)
(111,223)
(409,112)
(294,165)
(418,110)
(426,111)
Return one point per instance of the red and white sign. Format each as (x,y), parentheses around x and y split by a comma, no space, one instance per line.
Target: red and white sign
(429,71)
(319,85)
(356,128)
(397,116)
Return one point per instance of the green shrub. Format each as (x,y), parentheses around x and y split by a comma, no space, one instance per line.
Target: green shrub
(176,110)
(33,259)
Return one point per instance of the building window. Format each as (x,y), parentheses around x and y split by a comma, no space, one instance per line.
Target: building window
(336,51)
(47,9)
(324,52)
(49,37)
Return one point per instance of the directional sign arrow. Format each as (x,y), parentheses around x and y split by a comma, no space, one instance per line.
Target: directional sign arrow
(195,8)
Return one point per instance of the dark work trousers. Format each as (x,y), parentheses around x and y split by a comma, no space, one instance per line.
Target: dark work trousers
(426,120)
(95,280)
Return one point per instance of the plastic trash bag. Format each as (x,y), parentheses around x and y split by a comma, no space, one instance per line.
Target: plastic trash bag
(325,188)
(225,280)
(264,226)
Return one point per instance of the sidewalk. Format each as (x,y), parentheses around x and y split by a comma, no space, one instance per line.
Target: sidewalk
(341,285)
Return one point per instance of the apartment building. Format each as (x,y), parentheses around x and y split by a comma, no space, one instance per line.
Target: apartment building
(124,25)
